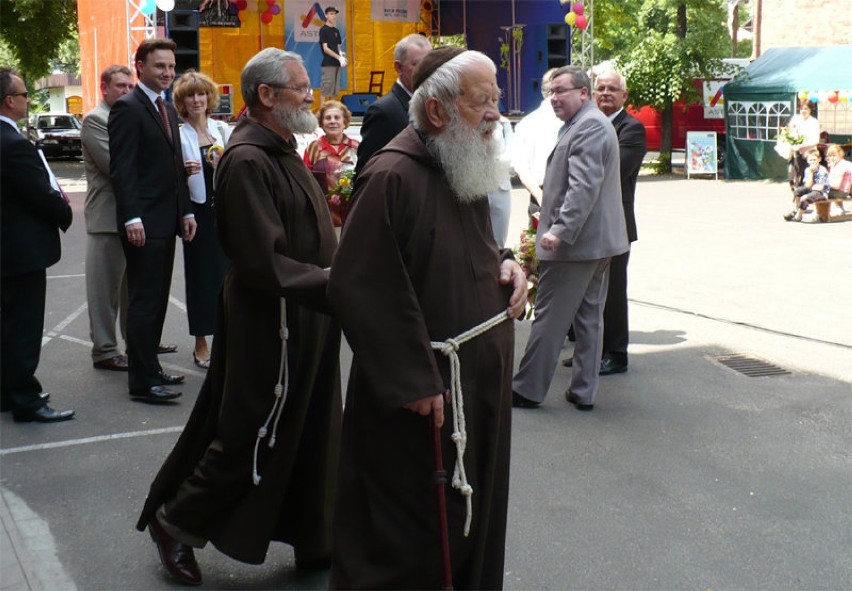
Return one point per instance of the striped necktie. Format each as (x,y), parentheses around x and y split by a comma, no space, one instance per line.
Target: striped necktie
(164,116)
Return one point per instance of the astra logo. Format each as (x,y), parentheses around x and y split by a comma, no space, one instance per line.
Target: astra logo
(315,17)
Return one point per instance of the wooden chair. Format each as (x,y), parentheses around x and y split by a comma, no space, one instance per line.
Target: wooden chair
(377,82)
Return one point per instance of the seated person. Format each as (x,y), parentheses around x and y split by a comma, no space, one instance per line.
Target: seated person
(814,187)
(839,173)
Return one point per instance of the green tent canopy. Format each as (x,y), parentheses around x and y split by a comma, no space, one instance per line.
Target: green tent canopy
(763,98)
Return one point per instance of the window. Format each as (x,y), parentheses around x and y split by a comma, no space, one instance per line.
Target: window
(757,120)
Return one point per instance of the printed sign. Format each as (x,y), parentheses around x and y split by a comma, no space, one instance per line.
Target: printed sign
(401,11)
(714,102)
(701,153)
(303,20)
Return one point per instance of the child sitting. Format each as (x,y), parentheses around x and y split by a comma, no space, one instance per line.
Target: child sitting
(814,187)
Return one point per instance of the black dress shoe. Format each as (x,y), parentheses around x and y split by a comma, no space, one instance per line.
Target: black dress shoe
(161,349)
(154,394)
(519,401)
(609,367)
(568,362)
(117,363)
(169,380)
(572,398)
(45,414)
(179,559)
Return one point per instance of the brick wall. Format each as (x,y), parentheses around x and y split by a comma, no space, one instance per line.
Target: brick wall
(806,23)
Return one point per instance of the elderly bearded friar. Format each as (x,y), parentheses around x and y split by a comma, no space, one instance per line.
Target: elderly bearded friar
(417,264)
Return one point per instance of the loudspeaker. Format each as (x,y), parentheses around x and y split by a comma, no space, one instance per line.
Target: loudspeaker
(182,28)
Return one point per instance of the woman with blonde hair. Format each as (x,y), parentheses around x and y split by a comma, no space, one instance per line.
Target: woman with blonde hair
(332,153)
(203,140)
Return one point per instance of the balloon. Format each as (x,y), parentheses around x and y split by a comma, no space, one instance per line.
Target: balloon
(266,17)
(844,96)
(578,8)
(242,4)
(270,2)
(275,9)
(833,96)
(148,7)
(165,5)
(814,99)
(233,10)
(581,22)
(570,18)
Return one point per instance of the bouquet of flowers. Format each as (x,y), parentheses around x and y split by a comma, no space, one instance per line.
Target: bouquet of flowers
(525,255)
(787,140)
(339,195)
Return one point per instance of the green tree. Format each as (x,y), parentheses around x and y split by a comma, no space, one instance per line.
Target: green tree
(661,48)
(34,32)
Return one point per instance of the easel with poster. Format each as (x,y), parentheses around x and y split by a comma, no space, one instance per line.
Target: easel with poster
(701,153)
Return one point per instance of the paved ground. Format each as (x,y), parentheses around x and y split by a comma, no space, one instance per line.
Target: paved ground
(686,475)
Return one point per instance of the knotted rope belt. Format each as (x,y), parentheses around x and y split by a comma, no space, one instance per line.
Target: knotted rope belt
(450,349)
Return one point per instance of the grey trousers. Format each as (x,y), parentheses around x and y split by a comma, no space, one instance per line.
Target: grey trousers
(567,292)
(106,293)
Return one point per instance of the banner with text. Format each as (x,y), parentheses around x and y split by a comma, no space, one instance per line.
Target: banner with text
(401,11)
(303,20)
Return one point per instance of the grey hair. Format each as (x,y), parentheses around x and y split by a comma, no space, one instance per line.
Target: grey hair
(445,85)
(400,52)
(578,77)
(106,75)
(266,67)
(622,81)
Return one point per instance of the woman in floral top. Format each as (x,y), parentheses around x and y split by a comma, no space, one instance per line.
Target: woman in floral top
(332,153)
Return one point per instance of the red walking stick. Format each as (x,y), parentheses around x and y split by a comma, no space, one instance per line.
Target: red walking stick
(440,489)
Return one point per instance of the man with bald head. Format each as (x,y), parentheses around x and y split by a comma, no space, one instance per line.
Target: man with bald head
(389,115)
(420,230)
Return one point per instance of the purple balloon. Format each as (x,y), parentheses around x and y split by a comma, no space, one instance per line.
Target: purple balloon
(233,10)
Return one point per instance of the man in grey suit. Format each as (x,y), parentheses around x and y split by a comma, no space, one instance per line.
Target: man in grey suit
(106,281)
(581,228)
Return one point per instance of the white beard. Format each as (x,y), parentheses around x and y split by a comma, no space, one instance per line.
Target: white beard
(295,120)
(471,164)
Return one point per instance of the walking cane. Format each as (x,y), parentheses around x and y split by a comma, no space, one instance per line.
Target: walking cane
(440,486)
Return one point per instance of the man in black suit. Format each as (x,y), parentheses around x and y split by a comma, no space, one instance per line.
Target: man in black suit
(389,115)
(31,210)
(152,198)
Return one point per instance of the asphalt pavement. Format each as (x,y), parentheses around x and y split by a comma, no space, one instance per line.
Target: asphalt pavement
(687,474)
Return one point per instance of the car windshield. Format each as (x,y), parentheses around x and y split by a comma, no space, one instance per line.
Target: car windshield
(58,122)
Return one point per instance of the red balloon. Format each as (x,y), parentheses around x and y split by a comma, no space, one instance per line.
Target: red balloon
(242,4)
(266,17)
(270,2)
(581,22)
(833,96)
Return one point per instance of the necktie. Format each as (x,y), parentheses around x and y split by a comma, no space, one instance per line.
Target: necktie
(164,116)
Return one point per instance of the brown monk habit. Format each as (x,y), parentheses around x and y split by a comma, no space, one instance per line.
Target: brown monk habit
(415,265)
(275,228)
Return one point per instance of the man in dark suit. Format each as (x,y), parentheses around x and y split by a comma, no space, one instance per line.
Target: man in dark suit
(31,210)
(610,95)
(152,199)
(389,115)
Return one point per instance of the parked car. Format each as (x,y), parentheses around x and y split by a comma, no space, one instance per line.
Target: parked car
(56,134)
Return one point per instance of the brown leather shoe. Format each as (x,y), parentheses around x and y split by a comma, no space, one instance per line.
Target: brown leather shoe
(179,559)
(117,363)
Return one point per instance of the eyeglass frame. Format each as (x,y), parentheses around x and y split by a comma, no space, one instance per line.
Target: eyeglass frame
(551,92)
(304,90)
(25,94)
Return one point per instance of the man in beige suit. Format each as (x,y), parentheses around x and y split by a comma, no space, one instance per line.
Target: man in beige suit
(582,226)
(106,281)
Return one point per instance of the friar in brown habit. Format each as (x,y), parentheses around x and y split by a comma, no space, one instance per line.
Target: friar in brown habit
(228,481)
(417,264)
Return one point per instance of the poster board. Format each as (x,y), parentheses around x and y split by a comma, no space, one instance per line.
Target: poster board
(701,153)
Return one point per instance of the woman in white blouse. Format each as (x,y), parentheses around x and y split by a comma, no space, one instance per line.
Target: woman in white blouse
(807,125)
(203,140)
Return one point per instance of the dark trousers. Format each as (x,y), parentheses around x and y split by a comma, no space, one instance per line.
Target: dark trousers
(616,332)
(149,278)
(22,318)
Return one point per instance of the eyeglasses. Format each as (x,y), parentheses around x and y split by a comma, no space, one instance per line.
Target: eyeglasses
(23,94)
(612,89)
(561,91)
(300,89)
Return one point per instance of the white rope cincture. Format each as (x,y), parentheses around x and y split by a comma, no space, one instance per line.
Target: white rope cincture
(281,389)
(450,348)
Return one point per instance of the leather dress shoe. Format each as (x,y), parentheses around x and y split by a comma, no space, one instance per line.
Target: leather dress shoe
(45,414)
(154,394)
(161,349)
(179,559)
(568,362)
(117,363)
(169,380)
(609,367)
(519,401)
(573,399)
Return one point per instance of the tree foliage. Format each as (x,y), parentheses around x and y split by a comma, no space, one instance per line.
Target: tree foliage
(34,32)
